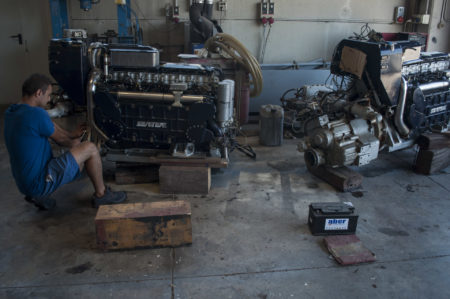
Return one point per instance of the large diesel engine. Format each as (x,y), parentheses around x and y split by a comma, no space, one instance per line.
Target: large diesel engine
(394,94)
(135,103)
(137,106)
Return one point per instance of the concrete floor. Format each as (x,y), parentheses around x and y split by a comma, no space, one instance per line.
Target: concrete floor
(250,238)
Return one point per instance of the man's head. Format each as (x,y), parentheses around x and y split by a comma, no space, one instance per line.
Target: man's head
(37,87)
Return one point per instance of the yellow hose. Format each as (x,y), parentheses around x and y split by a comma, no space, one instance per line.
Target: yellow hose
(239,52)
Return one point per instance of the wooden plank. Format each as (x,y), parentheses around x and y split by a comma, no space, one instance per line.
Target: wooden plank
(432,161)
(212,162)
(143,225)
(132,173)
(342,178)
(184,179)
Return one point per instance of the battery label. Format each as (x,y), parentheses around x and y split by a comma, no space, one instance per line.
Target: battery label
(336,224)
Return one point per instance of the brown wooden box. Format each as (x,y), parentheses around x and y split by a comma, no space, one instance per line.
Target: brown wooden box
(143,225)
(133,173)
(432,161)
(184,179)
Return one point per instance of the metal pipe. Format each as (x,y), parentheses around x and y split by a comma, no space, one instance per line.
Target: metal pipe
(434,85)
(293,66)
(106,65)
(94,53)
(399,123)
(155,96)
(93,79)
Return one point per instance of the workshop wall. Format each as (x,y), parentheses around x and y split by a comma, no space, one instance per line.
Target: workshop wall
(30,19)
(303,30)
(439,30)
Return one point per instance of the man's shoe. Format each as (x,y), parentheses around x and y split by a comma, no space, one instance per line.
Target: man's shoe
(42,203)
(109,198)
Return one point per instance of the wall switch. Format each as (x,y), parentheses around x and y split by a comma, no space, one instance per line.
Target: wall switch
(176,11)
(222,5)
(271,11)
(264,10)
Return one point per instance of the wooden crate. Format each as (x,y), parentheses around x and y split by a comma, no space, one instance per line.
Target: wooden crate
(432,161)
(184,179)
(434,153)
(135,173)
(143,225)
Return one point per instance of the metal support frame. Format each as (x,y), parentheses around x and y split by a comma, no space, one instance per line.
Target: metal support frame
(124,19)
(60,21)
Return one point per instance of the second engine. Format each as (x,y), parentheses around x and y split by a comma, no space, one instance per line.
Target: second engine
(393,95)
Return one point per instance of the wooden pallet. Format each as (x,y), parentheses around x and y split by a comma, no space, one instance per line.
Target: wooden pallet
(175,175)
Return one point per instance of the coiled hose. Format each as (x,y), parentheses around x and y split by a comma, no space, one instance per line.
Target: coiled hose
(239,52)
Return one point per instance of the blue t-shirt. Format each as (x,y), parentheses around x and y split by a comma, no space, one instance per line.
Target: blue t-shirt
(27,130)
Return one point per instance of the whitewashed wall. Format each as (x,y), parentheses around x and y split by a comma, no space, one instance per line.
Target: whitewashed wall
(303,30)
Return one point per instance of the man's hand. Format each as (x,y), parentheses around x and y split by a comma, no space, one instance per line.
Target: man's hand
(79,132)
(68,139)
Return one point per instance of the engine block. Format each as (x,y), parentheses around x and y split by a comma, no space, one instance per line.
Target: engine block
(388,105)
(136,103)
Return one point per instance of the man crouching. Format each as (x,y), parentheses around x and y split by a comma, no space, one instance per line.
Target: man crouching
(36,172)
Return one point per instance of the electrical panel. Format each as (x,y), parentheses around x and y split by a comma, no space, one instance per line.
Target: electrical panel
(271,11)
(264,10)
(267,11)
(222,5)
(421,19)
(399,15)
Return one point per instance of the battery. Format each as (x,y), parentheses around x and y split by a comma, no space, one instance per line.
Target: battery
(332,218)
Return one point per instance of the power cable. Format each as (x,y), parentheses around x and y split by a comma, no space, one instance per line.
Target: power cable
(444,12)
(265,44)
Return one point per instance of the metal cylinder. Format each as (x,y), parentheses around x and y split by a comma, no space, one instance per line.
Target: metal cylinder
(225,98)
(271,125)
(155,96)
(314,157)
(434,85)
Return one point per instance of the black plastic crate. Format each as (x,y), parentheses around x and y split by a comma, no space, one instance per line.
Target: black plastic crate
(332,218)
